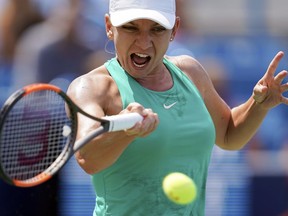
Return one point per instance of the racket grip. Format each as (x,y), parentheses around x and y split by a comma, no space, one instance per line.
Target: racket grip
(123,121)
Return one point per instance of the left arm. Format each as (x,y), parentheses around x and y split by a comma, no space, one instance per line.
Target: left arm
(246,118)
(236,126)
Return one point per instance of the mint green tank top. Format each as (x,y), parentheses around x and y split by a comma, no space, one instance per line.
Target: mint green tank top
(182,142)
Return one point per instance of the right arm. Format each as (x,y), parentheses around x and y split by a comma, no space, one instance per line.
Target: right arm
(97,94)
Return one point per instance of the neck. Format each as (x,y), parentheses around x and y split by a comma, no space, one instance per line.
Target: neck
(158,82)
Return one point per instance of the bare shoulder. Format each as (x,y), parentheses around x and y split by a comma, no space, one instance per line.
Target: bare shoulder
(184,61)
(90,83)
(96,88)
(193,69)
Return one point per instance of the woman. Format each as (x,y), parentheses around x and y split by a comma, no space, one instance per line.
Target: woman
(183,114)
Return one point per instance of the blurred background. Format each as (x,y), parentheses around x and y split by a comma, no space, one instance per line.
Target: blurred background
(55,41)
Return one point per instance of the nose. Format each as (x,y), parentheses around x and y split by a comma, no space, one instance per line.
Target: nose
(144,40)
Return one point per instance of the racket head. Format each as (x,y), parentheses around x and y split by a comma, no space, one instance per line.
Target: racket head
(36,135)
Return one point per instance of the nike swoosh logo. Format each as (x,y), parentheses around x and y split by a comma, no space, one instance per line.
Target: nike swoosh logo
(169,106)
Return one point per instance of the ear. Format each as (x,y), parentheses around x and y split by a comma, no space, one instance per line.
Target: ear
(175,28)
(108,26)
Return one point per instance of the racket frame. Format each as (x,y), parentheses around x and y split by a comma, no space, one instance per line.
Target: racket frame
(68,150)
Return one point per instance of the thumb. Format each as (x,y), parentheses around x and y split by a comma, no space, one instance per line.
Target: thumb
(260,93)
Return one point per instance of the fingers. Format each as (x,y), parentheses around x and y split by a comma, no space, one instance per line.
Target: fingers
(284,87)
(149,123)
(270,88)
(274,63)
(280,77)
(260,93)
(284,100)
(136,107)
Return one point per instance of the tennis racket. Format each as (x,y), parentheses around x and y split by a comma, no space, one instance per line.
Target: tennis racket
(37,137)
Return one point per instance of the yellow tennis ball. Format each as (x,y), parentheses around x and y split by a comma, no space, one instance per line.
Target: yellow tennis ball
(179,188)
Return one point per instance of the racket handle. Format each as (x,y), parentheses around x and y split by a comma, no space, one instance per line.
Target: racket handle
(123,121)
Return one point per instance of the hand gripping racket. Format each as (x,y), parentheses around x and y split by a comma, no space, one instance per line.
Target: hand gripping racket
(37,137)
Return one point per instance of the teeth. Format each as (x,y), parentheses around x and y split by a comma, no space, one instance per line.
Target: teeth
(141,55)
(140,66)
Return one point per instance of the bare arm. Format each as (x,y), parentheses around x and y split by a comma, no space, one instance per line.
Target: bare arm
(98,95)
(235,127)
(267,94)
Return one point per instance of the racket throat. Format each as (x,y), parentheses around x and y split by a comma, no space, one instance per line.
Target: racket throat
(106,125)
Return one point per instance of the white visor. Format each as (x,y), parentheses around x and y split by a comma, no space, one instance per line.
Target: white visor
(161,12)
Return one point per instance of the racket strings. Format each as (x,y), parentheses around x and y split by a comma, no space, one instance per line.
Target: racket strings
(32,136)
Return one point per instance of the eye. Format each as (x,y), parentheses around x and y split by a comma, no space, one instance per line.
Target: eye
(129,28)
(159,29)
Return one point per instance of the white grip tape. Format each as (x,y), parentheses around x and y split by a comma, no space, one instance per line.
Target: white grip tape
(123,121)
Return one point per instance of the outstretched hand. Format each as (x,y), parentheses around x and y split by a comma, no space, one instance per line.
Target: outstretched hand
(270,88)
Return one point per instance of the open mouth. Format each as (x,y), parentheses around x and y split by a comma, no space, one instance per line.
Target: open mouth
(140,60)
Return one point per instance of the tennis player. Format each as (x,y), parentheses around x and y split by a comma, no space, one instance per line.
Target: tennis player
(183,114)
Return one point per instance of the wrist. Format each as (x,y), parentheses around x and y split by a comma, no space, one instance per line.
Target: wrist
(260,106)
